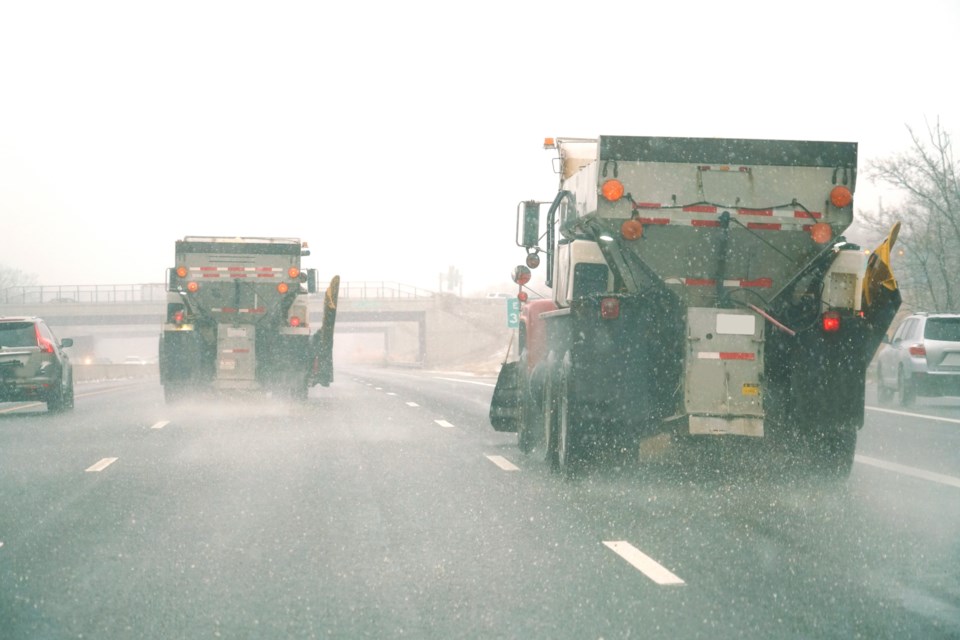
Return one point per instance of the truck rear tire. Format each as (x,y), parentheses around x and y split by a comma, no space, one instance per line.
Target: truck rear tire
(571,444)
(550,413)
(527,424)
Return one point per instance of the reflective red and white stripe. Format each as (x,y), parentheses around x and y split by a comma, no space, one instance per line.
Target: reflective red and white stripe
(237,272)
(232,310)
(762,283)
(726,355)
(695,216)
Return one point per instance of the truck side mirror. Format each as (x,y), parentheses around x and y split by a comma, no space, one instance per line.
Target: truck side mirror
(311,280)
(531,224)
(172,280)
(66,342)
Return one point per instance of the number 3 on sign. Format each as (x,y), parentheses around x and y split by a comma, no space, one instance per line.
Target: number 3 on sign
(513,313)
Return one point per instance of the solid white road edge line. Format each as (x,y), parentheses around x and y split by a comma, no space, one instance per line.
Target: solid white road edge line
(950,481)
(503,463)
(161,424)
(914,415)
(482,384)
(647,565)
(102,464)
(443,423)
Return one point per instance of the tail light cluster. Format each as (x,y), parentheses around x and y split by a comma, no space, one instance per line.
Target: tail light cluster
(45,345)
(176,314)
(831,322)
(610,308)
(918,350)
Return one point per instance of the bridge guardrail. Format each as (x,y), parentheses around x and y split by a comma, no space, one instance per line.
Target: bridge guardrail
(156,292)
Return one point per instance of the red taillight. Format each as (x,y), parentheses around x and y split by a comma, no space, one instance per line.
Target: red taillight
(918,350)
(831,322)
(294,321)
(45,345)
(610,308)
(178,317)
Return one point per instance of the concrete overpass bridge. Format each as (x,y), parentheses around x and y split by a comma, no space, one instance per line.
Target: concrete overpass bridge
(377,322)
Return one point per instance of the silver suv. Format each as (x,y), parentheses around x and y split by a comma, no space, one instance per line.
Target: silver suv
(922,359)
(33,364)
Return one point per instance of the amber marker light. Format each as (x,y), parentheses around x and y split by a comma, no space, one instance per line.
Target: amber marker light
(193,287)
(549,143)
(841,197)
(181,271)
(282,287)
(821,233)
(293,272)
(612,190)
(631,229)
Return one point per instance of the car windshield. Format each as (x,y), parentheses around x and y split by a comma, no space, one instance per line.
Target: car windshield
(17,334)
(946,329)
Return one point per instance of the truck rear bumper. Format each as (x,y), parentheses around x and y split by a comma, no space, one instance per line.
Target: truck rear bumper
(718,425)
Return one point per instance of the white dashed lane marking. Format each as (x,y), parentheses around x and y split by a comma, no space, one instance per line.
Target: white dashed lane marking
(503,463)
(412,404)
(444,424)
(101,465)
(641,561)
(160,425)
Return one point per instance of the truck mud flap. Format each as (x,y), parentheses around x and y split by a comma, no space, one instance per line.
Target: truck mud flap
(505,405)
(321,342)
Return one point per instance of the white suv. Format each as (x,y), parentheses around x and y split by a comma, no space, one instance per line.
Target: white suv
(922,359)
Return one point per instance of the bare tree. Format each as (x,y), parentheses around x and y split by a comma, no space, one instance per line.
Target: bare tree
(928,258)
(11,278)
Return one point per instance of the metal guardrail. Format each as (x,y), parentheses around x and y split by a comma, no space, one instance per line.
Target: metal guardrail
(157,292)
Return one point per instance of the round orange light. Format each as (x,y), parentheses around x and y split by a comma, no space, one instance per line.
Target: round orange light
(522,296)
(282,287)
(631,229)
(612,190)
(181,272)
(193,287)
(841,197)
(294,321)
(821,233)
(293,272)
(521,275)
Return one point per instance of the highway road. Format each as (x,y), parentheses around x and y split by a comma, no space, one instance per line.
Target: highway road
(386,507)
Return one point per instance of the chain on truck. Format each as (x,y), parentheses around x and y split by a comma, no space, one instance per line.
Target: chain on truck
(701,288)
(238,318)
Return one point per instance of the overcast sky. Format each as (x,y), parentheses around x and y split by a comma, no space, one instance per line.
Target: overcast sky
(398,137)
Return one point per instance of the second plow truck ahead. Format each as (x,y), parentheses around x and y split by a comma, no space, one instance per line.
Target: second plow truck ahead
(237,318)
(701,289)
